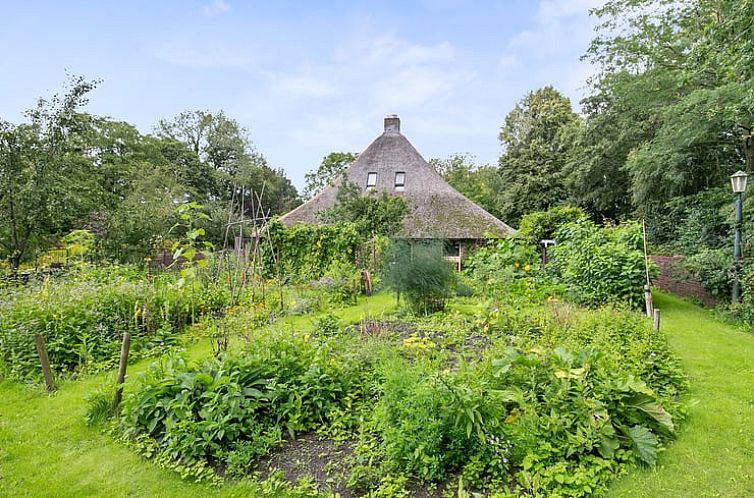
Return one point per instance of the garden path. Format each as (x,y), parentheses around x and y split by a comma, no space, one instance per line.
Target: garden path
(714,454)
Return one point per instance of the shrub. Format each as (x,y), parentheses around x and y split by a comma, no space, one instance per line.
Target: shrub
(543,224)
(305,252)
(83,316)
(421,273)
(713,268)
(601,264)
(508,265)
(341,282)
(232,410)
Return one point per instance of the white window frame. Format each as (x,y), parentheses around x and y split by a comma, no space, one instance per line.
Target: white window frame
(400,185)
(371,179)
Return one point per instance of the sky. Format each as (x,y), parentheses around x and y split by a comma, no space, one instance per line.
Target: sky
(305,78)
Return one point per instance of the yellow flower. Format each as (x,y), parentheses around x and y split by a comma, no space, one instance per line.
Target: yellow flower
(527,267)
(306,338)
(516,265)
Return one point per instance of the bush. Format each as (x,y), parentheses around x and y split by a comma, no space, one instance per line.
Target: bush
(601,265)
(305,252)
(508,265)
(713,268)
(543,224)
(83,315)
(232,410)
(421,272)
(341,282)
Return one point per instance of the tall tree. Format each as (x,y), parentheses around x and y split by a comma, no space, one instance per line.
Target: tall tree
(536,137)
(332,166)
(46,179)
(237,168)
(686,69)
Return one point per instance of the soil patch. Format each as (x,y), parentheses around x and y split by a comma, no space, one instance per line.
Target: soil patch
(323,460)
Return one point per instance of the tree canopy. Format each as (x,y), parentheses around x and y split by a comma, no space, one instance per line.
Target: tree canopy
(536,137)
(64,170)
(331,167)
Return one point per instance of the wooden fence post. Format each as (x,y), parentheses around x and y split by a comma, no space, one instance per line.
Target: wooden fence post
(122,368)
(648,300)
(45,361)
(656,319)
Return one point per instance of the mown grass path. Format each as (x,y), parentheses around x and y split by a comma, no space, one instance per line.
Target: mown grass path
(714,454)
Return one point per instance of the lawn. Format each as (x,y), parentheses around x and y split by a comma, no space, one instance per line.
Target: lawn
(714,454)
(44,441)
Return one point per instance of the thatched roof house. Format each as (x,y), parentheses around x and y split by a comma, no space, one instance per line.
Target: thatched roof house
(391,164)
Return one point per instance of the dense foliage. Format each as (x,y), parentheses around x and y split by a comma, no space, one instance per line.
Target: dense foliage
(551,400)
(372,214)
(536,141)
(306,252)
(420,272)
(601,265)
(541,225)
(64,170)
(83,314)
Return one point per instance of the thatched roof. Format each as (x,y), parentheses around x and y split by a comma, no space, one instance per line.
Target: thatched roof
(437,209)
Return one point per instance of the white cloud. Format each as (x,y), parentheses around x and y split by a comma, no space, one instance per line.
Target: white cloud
(560,29)
(338,103)
(215,8)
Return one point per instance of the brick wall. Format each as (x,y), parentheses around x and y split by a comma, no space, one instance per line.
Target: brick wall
(674,278)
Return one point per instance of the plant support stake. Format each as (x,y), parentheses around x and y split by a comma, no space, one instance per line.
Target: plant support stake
(122,368)
(647,291)
(45,361)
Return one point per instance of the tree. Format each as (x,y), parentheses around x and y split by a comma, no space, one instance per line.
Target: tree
(373,214)
(686,70)
(331,167)
(46,179)
(481,184)
(537,139)
(262,184)
(223,145)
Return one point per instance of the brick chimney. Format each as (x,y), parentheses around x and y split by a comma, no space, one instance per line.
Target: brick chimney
(392,123)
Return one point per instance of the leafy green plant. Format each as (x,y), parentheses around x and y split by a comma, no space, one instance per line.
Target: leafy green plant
(508,265)
(305,252)
(341,282)
(601,264)
(372,214)
(82,317)
(714,269)
(543,224)
(101,406)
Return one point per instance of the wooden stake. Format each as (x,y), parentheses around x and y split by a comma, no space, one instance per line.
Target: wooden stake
(656,319)
(122,368)
(648,300)
(45,361)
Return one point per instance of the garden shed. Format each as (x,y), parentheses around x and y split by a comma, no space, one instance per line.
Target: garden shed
(437,210)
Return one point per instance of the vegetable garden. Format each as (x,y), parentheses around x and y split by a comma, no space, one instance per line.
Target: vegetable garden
(510,388)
